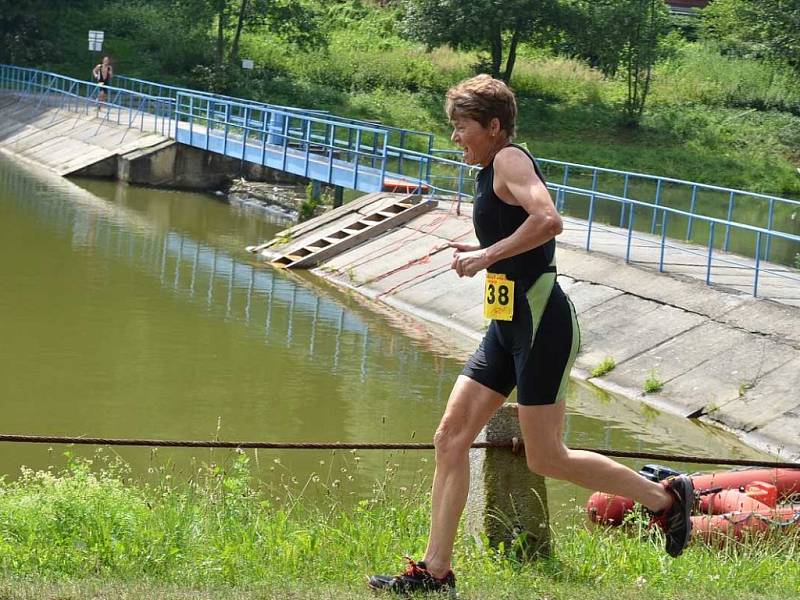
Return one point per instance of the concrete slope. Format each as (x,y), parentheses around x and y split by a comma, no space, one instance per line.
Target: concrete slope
(725,357)
(62,141)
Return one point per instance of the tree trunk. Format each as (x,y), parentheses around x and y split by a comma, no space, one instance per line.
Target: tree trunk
(220,31)
(652,45)
(234,55)
(497,52)
(512,56)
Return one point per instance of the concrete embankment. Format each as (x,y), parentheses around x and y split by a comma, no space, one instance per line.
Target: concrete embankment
(98,142)
(724,357)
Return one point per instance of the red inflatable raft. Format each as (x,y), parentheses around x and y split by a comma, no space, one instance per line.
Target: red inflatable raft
(730,503)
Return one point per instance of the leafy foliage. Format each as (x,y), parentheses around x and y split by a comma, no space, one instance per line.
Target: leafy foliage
(756,28)
(624,37)
(482,24)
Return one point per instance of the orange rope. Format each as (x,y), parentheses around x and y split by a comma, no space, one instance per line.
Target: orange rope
(397,244)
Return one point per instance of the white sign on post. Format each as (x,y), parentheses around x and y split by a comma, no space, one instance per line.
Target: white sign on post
(247,63)
(96,40)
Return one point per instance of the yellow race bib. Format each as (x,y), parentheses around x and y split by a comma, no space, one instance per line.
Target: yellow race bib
(498,297)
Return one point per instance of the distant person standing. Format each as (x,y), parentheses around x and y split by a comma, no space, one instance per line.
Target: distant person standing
(102,74)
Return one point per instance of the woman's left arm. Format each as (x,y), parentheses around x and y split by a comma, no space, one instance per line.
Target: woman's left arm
(516,183)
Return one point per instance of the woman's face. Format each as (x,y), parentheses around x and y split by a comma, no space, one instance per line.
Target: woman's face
(476,140)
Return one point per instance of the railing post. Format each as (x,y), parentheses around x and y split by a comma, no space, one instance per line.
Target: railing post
(591,217)
(307,138)
(624,195)
(758,263)
(264,129)
(664,215)
(710,251)
(631,211)
(655,210)
(244,132)
(225,130)
(770,222)
(507,502)
(331,150)
(564,182)
(385,158)
(208,122)
(191,119)
(691,213)
(428,160)
(285,132)
(728,224)
(460,188)
(355,165)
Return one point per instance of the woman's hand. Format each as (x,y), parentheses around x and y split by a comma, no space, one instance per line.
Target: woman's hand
(464,247)
(468,263)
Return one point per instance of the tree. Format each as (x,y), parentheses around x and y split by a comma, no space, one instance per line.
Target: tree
(757,28)
(297,22)
(481,24)
(26,31)
(620,37)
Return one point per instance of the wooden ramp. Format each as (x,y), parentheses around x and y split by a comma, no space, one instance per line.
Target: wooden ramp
(307,244)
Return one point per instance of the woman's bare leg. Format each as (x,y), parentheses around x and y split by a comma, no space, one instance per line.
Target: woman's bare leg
(469,408)
(542,430)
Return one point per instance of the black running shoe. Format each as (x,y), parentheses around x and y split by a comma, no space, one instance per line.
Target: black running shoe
(675,520)
(416,578)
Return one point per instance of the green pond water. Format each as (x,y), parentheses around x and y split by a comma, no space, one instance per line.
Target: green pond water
(135,312)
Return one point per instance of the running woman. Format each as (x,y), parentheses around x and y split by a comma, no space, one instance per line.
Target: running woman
(102,74)
(530,344)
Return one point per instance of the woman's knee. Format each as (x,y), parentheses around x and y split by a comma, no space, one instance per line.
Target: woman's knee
(552,463)
(449,442)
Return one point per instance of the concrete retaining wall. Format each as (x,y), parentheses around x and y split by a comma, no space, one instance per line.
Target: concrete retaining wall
(90,145)
(729,359)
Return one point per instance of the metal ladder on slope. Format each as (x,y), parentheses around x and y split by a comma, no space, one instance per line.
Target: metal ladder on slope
(316,249)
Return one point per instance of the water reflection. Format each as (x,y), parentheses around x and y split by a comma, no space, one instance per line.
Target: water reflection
(130,312)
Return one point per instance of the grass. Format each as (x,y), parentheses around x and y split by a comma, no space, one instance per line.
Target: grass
(607,365)
(653,384)
(92,531)
(711,119)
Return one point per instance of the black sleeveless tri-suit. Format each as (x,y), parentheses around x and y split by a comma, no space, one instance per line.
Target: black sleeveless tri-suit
(535,350)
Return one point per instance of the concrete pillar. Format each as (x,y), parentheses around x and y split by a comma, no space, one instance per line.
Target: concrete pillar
(507,502)
(338,196)
(316,189)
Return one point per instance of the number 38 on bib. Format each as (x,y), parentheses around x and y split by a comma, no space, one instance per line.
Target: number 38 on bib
(498,297)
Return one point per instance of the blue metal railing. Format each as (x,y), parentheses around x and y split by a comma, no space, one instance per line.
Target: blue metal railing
(306,143)
(131,109)
(399,140)
(697,199)
(313,146)
(360,155)
(665,213)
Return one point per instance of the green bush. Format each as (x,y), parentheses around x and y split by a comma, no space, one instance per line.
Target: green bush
(699,74)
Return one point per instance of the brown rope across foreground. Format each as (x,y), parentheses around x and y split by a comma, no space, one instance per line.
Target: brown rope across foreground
(514,444)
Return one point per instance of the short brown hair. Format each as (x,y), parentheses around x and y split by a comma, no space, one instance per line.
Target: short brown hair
(483,98)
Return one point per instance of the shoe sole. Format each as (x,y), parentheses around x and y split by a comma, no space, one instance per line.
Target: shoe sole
(451,593)
(687,497)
